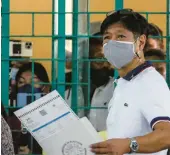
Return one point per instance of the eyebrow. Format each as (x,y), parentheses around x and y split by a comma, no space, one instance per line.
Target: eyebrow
(105,33)
(118,31)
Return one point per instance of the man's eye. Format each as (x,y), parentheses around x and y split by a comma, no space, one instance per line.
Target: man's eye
(121,36)
(105,37)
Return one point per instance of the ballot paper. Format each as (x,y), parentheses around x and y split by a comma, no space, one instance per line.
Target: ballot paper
(57,129)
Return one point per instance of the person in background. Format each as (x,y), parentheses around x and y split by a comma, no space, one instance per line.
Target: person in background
(102,86)
(14,67)
(156,54)
(7,147)
(154,43)
(68,88)
(24,80)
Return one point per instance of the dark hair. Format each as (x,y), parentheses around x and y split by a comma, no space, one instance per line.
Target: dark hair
(39,71)
(154,30)
(155,52)
(131,20)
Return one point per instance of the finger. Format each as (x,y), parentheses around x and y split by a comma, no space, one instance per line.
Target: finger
(99,145)
(100,150)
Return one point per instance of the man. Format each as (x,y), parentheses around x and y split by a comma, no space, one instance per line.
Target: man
(101,84)
(139,115)
(156,54)
(157,42)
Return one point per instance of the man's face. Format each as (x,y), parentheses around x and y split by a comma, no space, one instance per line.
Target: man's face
(160,67)
(117,32)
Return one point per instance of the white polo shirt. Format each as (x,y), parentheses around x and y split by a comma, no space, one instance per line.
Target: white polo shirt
(140,100)
(101,98)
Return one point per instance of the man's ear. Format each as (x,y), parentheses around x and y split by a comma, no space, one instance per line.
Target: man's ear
(142,42)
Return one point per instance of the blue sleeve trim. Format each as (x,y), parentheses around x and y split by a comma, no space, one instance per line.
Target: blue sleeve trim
(159,119)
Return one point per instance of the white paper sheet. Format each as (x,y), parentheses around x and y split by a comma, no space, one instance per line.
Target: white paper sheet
(46,116)
(56,127)
(86,123)
(75,139)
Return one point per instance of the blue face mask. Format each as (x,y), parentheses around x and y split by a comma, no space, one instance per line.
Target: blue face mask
(25,95)
(28,89)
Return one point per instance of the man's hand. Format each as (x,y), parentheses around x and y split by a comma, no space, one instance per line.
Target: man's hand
(112,147)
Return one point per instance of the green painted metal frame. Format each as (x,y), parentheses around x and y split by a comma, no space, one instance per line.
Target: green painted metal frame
(54,56)
(61,47)
(75,76)
(168,43)
(89,62)
(5,52)
(118,6)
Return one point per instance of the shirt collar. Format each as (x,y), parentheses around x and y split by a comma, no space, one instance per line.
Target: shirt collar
(137,70)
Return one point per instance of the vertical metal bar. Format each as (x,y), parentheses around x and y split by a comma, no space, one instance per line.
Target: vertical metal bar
(88,66)
(5,52)
(61,46)
(88,90)
(53,71)
(168,42)
(74,57)
(32,95)
(32,81)
(147,16)
(33,24)
(118,6)
(88,18)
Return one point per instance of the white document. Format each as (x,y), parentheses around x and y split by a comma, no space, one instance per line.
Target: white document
(75,139)
(90,128)
(56,127)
